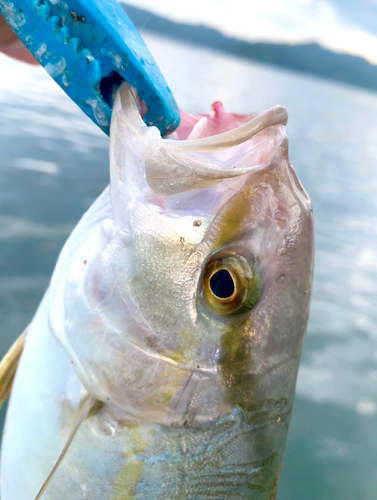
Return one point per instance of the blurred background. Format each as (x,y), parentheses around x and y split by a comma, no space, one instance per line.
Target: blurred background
(318,58)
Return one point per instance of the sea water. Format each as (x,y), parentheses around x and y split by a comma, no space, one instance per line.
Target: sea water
(54,163)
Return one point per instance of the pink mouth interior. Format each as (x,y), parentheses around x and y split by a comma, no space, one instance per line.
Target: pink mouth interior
(219,122)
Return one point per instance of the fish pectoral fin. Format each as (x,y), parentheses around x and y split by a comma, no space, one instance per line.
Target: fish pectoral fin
(8,366)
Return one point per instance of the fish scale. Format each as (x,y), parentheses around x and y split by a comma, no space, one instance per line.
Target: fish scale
(206,462)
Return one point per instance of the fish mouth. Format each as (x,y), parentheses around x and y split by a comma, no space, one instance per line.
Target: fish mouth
(174,167)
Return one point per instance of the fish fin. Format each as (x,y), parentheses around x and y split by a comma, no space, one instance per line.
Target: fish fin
(8,366)
(89,404)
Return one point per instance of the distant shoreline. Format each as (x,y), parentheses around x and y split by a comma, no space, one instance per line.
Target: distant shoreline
(309,58)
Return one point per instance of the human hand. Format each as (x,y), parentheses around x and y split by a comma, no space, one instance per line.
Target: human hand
(7,35)
(11,45)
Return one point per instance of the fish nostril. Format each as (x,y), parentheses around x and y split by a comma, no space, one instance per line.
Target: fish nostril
(222,284)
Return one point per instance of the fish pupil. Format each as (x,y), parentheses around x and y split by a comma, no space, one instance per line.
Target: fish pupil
(222,284)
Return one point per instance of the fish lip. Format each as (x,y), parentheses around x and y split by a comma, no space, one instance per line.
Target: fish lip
(299,188)
(277,115)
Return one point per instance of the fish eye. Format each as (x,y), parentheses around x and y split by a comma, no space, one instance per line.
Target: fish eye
(230,285)
(222,284)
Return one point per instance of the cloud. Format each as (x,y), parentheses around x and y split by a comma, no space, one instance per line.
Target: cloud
(341,25)
(361,13)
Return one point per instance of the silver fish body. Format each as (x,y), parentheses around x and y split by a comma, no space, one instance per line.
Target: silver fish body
(180,302)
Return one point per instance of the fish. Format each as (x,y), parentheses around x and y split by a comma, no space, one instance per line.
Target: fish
(162,360)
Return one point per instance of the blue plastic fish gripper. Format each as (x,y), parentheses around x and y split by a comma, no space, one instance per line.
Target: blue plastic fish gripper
(89,47)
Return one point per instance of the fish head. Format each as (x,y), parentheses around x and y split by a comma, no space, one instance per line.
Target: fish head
(188,295)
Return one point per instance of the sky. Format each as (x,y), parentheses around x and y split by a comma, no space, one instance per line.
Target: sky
(340,25)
